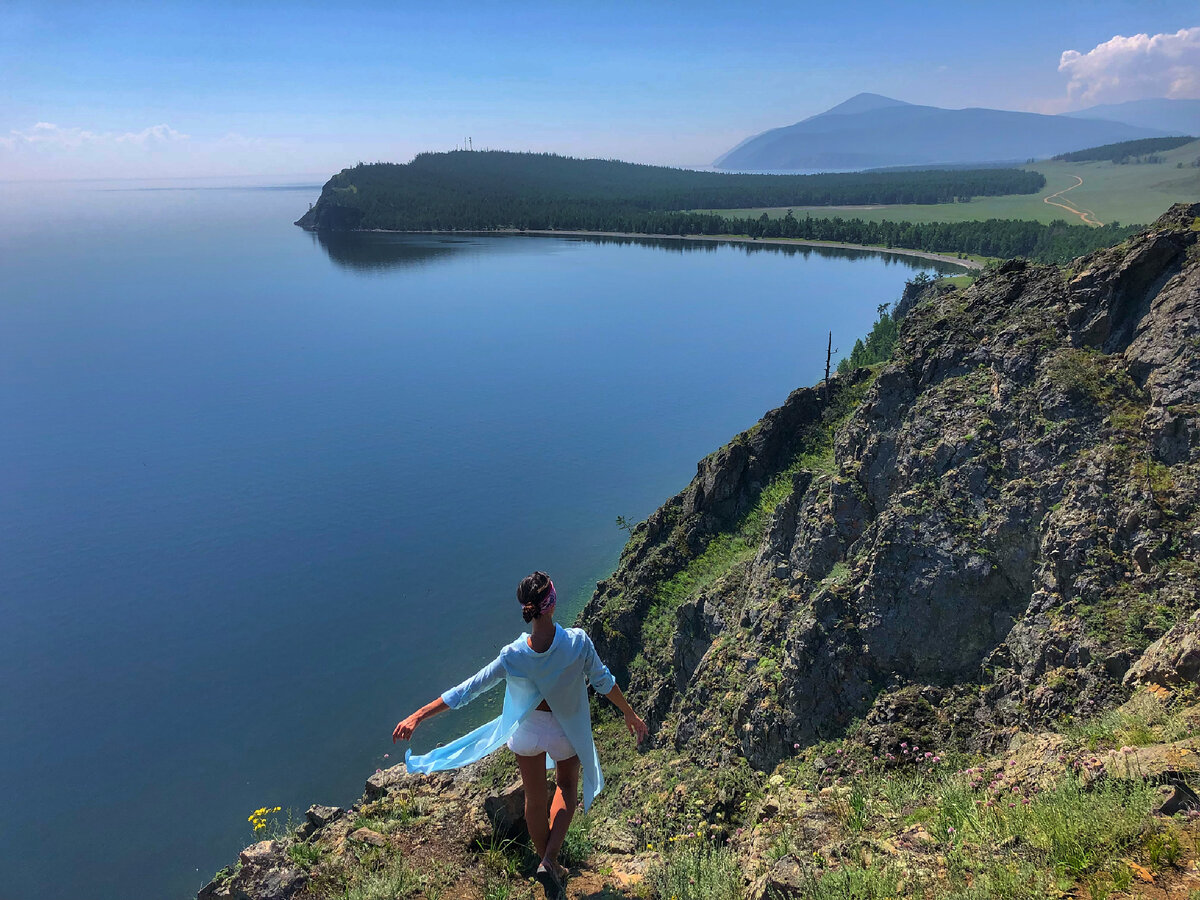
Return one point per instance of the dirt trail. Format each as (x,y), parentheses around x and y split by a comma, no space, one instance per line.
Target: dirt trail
(1085,215)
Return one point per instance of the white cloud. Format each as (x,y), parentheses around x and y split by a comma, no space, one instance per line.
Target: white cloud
(234,139)
(52,151)
(155,134)
(49,135)
(1133,68)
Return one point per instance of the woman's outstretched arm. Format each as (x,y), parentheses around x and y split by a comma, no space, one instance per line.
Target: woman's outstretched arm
(459,695)
(404,730)
(632,720)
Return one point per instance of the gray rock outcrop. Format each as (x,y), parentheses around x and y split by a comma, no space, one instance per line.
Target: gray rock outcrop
(1006,522)
(1173,660)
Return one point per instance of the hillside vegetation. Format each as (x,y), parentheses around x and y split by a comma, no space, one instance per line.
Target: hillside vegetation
(929,631)
(1114,193)
(1125,151)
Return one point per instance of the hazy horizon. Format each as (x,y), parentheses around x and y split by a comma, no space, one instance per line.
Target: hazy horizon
(173,90)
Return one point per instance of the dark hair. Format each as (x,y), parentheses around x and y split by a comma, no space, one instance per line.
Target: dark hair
(530,593)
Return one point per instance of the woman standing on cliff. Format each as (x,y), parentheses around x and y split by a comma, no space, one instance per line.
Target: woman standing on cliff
(546,674)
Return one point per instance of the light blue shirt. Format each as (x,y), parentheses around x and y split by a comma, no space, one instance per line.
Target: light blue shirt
(559,676)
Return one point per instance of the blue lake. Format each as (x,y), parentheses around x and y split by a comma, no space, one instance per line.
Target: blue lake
(263,493)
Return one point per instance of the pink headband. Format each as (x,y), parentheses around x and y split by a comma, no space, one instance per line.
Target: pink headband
(549,600)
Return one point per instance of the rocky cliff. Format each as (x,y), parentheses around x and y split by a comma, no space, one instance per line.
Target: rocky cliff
(1007,519)
(981,546)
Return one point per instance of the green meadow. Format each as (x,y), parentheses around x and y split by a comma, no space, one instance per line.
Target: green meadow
(1131,193)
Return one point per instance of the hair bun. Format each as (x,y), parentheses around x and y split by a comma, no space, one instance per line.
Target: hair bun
(530,592)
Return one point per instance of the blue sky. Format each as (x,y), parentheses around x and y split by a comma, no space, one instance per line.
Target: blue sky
(129,89)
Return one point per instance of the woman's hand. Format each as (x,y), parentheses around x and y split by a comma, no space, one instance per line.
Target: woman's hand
(636,726)
(404,730)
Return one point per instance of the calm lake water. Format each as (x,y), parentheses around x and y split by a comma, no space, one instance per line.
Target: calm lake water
(262,493)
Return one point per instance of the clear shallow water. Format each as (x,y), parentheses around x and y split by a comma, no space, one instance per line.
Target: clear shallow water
(262,492)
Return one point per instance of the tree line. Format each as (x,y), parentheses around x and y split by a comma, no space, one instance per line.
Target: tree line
(1125,151)
(471,189)
(483,191)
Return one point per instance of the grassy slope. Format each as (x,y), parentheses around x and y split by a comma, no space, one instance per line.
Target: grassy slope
(1131,193)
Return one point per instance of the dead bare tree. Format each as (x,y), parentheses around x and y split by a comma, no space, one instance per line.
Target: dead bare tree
(828,358)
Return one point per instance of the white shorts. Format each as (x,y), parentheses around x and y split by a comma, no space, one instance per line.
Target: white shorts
(541,733)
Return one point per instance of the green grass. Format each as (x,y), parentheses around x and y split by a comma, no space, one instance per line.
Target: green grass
(506,857)
(852,883)
(394,881)
(998,839)
(695,869)
(1144,720)
(1073,828)
(304,854)
(1114,193)
(578,845)
(959,281)
(732,548)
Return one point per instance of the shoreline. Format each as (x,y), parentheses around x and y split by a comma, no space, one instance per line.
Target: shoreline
(969,264)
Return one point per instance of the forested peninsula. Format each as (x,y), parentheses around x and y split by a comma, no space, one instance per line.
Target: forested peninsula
(493,190)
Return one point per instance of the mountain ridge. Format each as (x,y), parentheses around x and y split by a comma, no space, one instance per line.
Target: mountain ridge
(1170,116)
(880,131)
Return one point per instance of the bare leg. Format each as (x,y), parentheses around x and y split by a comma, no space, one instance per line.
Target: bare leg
(533,776)
(566,799)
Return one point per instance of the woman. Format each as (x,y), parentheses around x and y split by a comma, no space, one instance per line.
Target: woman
(545,712)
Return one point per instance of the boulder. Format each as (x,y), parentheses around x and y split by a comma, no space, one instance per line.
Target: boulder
(1171,661)
(1033,761)
(318,817)
(505,810)
(385,780)
(1177,797)
(266,872)
(786,878)
(1159,761)
(367,836)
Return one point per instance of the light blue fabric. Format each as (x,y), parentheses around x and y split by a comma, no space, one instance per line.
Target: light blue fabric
(559,676)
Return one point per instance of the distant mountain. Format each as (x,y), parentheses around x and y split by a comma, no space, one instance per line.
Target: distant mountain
(872,131)
(1171,116)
